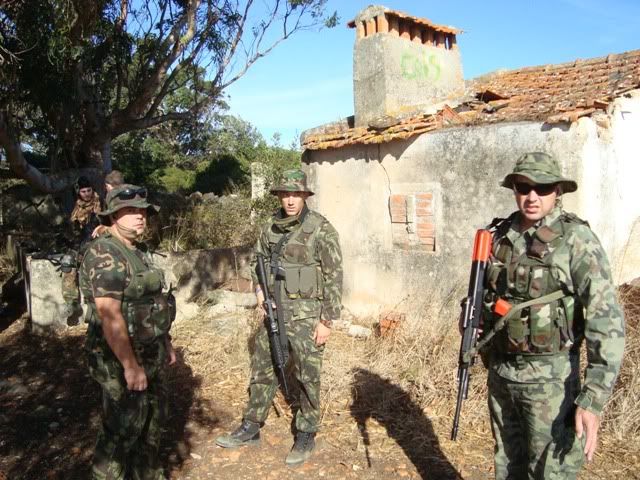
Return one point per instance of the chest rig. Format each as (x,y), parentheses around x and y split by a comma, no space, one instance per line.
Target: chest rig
(547,327)
(295,257)
(147,310)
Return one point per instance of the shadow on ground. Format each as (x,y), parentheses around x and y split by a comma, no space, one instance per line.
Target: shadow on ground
(374,397)
(49,408)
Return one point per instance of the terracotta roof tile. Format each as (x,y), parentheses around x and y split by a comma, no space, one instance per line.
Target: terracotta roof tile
(421,21)
(548,93)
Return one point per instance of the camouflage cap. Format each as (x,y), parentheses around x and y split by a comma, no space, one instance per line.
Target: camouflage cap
(540,168)
(127,196)
(292,181)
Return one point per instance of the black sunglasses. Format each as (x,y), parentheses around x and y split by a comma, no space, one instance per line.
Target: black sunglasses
(541,189)
(131,193)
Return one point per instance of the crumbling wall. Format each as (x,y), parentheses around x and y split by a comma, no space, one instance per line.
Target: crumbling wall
(357,187)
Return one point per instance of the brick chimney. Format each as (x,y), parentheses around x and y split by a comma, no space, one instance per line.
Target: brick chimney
(402,65)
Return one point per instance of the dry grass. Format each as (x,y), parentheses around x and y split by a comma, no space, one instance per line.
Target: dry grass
(418,365)
(622,417)
(6,264)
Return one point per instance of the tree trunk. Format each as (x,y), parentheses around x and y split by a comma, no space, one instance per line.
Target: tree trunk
(34,177)
(106,157)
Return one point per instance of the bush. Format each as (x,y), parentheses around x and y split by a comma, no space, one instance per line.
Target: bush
(209,221)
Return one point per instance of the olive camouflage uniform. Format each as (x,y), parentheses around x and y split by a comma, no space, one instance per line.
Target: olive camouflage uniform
(534,384)
(311,293)
(128,443)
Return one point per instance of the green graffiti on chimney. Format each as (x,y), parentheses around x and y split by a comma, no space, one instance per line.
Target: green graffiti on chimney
(420,67)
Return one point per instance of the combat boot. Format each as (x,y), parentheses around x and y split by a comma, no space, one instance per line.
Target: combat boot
(248,433)
(302,448)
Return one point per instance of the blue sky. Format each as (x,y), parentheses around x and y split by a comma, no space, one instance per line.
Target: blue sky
(307,80)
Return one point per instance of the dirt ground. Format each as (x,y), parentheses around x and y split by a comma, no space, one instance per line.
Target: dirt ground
(49,417)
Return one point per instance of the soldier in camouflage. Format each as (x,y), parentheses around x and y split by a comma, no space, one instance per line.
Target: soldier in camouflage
(113,179)
(82,221)
(544,422)
(307,247)
(128,342)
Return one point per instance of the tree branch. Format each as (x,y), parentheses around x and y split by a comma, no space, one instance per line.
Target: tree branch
(149,122)
(21,168)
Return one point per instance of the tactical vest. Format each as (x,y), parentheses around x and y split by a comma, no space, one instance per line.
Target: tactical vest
(147,310)
(302,271)
(544,328)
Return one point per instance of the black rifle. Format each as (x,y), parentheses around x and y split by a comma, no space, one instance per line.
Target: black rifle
(64,261)
(274,321)
(471,318)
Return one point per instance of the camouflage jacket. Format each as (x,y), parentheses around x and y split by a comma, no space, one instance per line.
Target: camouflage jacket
(106,272)
(315,235)
(581,266)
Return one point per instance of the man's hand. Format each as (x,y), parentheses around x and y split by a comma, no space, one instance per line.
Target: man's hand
(589,423)
(260,299)
(136,378)
(99,230)
(321,334)
(114,329)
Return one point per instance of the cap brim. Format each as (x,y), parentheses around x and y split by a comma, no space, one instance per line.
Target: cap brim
(150,207)
(274,191)
(568,185)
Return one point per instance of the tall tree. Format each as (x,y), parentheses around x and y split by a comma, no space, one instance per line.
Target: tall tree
(78,73)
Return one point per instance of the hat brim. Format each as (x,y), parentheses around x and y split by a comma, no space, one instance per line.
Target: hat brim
(149,207)
(540,178)
(275,190)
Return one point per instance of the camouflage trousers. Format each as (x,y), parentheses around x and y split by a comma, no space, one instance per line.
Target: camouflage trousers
(128,443)
(70,292)
(307,360)
(533,427)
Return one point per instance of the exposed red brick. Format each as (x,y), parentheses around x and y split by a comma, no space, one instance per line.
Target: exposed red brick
(423,208)
(425,230)
(424,196)
(427,240)
(420,218)
(382,25)
(370,27)
(420,21)
(398,199)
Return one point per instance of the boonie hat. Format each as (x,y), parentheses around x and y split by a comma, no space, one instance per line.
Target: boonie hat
(126,196)
(541,169)
(292,181)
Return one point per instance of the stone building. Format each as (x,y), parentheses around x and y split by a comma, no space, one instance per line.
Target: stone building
(409,177)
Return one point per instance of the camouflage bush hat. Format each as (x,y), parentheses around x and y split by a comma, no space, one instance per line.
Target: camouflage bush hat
(126,196)
(540,168)
(292,181)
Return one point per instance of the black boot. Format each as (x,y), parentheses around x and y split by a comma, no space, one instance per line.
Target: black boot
(248,433)
(302,448)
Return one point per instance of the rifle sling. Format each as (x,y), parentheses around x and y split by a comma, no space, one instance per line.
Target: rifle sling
(500,324)
(274,264)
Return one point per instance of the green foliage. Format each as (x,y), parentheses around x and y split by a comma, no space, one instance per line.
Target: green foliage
(174,179)
(77,74)
(218,222)
(218,161)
